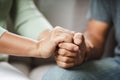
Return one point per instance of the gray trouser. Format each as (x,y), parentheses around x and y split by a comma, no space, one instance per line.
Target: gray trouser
(104,69)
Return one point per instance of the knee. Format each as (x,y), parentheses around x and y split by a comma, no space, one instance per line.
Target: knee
(58,73)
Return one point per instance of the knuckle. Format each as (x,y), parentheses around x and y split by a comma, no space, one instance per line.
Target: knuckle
(64,65)
(58,63)
(70,47)
(68,38)
(66,60)
(55,32)
(75,54)
(58,28)
(63,52)
(79,35)
(60,45)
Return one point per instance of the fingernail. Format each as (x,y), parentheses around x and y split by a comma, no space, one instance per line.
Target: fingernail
(59,45)
(78,41)
(76,48)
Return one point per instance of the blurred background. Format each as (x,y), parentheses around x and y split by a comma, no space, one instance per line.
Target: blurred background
(70,14)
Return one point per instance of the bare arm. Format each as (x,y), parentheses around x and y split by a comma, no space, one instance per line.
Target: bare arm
(13,44)
(96,33)
(16,45)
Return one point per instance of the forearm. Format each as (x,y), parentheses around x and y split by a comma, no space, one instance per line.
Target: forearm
(96,34)
(16,45)
(20,46)
(97,46)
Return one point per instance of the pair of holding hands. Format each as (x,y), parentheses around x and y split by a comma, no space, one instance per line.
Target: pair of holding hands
(69,47)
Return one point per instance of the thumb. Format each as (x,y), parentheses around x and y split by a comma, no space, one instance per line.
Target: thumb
(78,39)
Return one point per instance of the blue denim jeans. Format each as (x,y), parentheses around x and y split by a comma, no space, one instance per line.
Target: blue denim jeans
(104,69)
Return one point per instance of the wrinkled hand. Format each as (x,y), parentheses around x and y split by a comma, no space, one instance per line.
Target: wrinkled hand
(70,54)
(50,39)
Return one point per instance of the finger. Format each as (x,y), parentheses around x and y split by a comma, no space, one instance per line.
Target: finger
(65,65)
(63,37)
(66,34)
(69,46)
(65,30)
(64,59)
(78,39)
(67,37)
(64,52)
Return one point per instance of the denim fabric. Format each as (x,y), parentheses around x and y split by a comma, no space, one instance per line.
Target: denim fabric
(104,69)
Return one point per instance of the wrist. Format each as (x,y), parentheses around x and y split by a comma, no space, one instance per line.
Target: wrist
(33,50)
(89,51)
(44,33)
(37,51)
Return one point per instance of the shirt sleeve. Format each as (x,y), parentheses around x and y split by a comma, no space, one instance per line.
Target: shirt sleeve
(99,10)
(2,30)
(27,20)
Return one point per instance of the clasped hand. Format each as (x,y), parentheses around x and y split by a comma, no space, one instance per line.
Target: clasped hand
(70,47)
(71,54)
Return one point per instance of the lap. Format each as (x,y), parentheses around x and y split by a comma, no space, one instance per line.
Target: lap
(8,72)
(105,69)
(38,72)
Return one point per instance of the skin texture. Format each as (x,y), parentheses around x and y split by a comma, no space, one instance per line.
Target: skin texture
(91,45)
(13,44)
(72,48)
(51,39)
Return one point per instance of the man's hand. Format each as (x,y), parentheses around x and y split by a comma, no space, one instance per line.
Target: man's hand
(50,39)
(68,54)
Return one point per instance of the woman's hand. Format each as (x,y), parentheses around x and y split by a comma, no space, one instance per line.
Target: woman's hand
(50,39)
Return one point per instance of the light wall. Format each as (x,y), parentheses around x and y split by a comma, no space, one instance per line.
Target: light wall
(70,14)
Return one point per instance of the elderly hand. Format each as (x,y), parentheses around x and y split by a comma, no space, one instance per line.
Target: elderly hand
(68,55)
(50,39)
